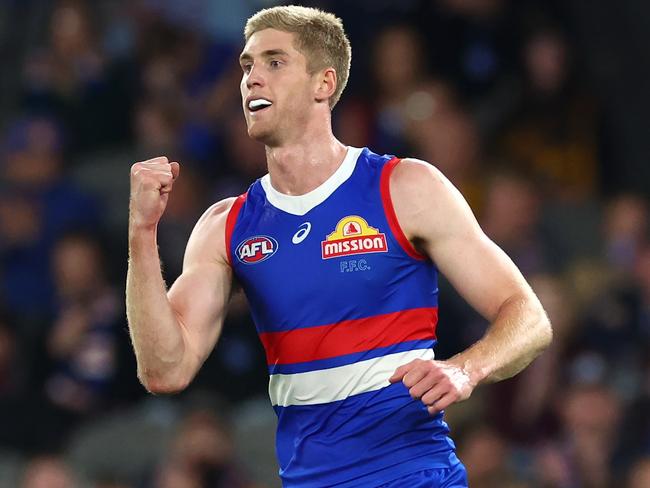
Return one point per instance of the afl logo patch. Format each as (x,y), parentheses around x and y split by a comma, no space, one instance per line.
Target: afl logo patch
(256,249)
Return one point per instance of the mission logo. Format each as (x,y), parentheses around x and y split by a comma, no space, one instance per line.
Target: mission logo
(353,235)
(256,249)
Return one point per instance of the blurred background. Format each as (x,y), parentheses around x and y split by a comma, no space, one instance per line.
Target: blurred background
(535,109)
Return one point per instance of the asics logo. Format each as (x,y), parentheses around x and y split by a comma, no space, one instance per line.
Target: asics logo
(303,232)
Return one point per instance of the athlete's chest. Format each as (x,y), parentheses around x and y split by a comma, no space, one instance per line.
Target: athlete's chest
(323,244)
(327,257)
(320,268)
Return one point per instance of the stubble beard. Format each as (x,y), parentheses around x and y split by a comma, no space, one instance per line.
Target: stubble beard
(269,135)
(266,136)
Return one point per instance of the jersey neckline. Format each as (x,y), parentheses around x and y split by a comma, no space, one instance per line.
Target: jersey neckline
(301,204)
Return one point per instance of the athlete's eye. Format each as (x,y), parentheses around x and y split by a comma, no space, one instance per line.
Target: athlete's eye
(246,68)
(275,63)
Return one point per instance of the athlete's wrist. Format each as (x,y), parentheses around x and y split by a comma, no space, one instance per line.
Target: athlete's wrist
(142,235)
(475,372)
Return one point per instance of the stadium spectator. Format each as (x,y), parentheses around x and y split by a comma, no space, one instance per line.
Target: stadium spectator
(71,78)
(82,347)
(46,204)
(584,453)
(488,457)
(201,454)
(639,476)
(553,133)
(48,471)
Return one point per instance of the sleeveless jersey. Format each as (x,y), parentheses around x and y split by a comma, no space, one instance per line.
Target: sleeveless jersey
(340,299)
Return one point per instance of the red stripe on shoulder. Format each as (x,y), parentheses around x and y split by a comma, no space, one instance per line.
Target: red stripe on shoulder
(231,220)
(389,210)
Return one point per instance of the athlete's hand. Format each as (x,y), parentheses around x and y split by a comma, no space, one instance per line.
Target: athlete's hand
(437,384)
(151,183)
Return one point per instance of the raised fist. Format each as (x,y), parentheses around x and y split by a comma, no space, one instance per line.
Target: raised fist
(151,183)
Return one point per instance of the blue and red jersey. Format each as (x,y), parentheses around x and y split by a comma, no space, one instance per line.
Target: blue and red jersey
(340,299)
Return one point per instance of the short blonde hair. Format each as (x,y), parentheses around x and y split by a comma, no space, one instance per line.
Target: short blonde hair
(319,36)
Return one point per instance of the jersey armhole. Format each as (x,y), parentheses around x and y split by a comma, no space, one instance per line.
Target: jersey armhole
(231,220)
(389,210)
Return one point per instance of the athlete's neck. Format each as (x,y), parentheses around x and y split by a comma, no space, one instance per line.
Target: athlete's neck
(300,167)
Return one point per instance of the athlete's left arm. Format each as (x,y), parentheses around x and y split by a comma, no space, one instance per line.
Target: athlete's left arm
(435,217)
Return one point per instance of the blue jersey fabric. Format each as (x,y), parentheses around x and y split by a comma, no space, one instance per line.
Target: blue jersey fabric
(340,299)
(455,477)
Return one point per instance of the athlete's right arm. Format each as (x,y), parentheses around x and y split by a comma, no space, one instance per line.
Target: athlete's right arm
(173,331)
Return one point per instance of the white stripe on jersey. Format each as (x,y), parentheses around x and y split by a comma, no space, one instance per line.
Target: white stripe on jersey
(330,385)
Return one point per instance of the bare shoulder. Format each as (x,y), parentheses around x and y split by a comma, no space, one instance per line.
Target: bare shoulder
(216,214)
(416,177)
(426,202)
(208,237)
(412,167)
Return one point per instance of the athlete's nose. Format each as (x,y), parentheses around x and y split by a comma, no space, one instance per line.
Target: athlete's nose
(254,77)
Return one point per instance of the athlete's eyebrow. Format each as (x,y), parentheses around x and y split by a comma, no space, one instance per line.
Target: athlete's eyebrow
(265,54)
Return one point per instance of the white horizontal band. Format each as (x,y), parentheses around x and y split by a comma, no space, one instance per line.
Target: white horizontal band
(330,385)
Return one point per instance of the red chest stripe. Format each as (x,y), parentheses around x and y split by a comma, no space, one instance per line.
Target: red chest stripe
(349,336)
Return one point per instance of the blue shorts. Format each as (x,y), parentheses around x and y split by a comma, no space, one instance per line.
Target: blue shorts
(455,477)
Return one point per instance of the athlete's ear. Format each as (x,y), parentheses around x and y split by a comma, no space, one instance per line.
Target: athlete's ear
(326,84)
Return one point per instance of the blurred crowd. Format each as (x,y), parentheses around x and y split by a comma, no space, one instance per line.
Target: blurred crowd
(500,95)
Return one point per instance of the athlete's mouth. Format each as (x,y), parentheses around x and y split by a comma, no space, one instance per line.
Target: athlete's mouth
(259,104)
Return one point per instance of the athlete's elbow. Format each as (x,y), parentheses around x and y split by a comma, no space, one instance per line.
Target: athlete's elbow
(168,384)
(544,331)
(548,333)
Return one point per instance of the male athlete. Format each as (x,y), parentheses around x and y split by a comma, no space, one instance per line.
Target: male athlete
(338,250)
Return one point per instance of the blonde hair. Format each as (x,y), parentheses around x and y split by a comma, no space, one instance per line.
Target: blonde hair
(319,36)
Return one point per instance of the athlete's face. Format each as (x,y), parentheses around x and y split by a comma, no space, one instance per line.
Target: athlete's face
(276,88)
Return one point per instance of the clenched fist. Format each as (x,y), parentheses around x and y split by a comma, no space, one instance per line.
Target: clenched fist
(437,384)
(151,183)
